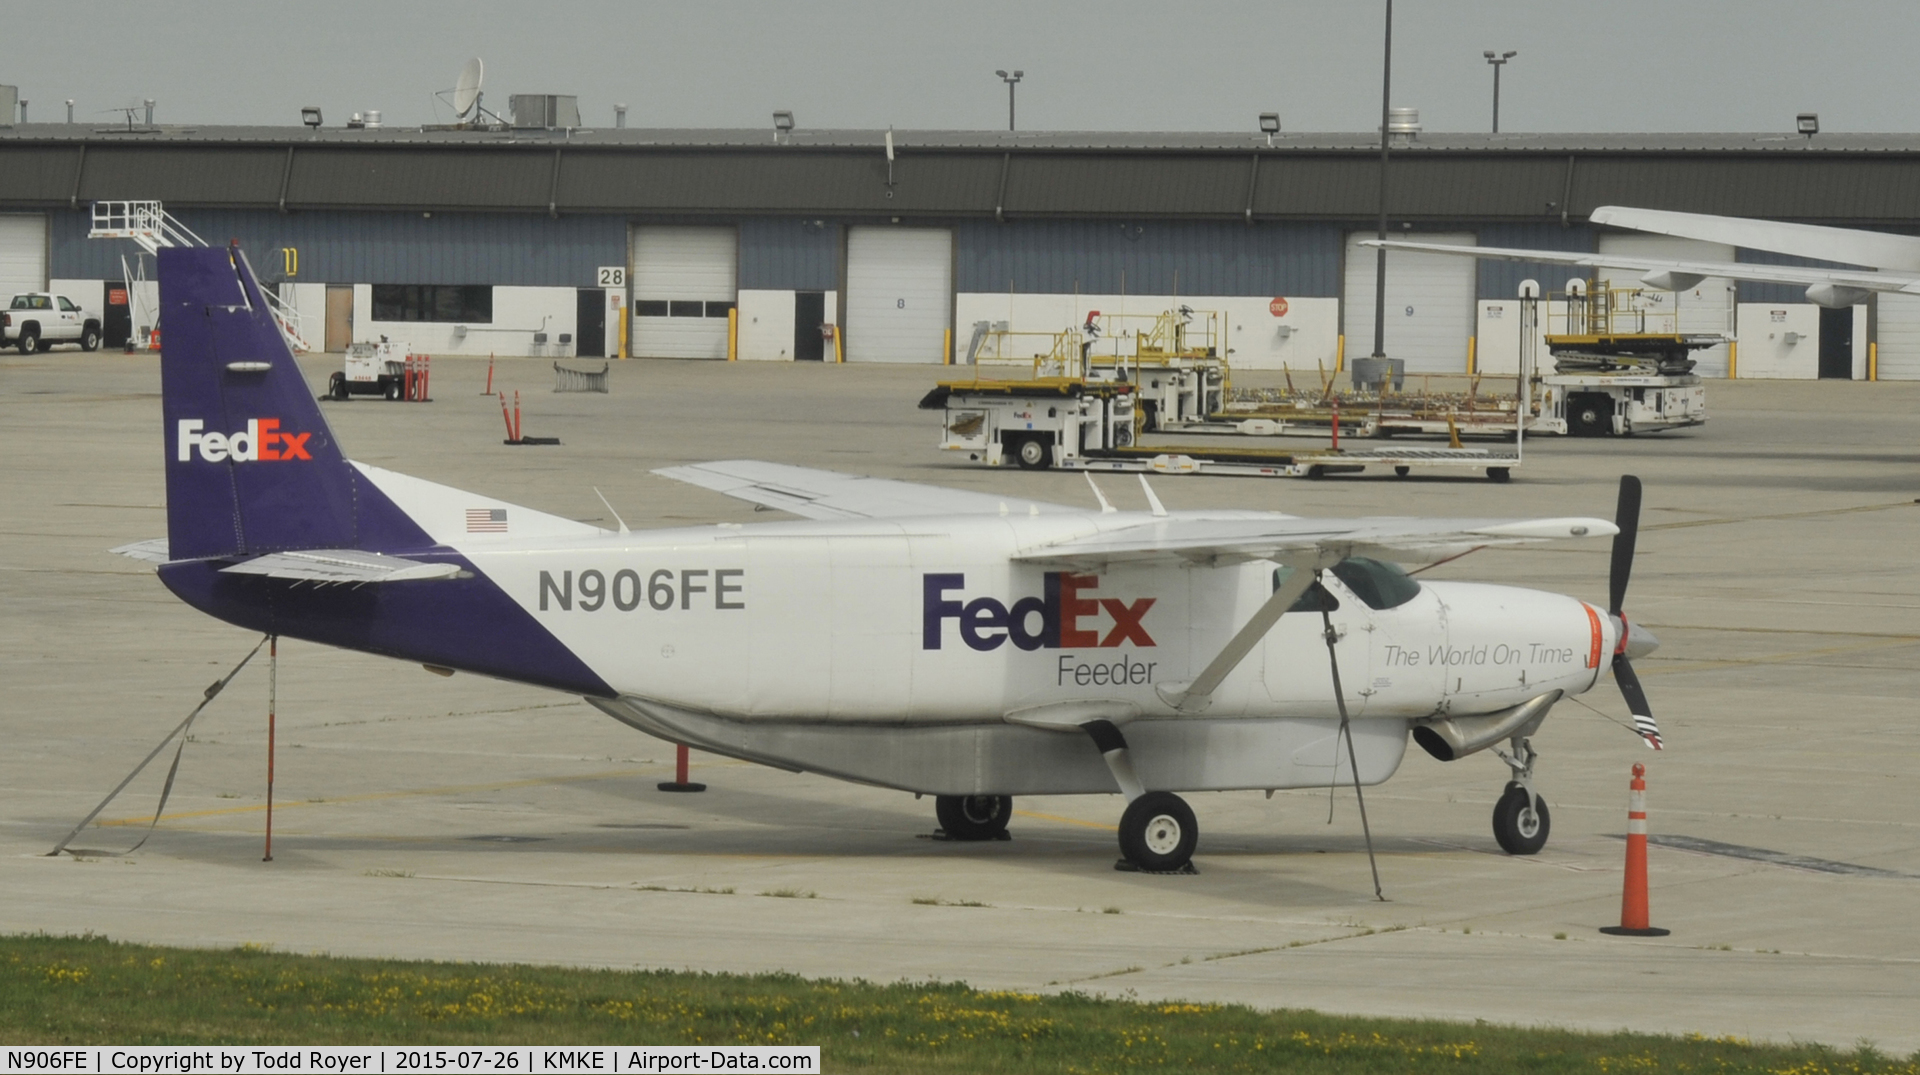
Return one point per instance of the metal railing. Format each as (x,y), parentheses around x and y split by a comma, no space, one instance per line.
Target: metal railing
(148,225)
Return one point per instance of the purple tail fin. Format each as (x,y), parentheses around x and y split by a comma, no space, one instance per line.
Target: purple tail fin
(251,465)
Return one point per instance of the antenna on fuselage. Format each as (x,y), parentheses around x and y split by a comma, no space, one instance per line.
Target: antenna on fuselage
(1153,501)
(610,511)
(1105,507)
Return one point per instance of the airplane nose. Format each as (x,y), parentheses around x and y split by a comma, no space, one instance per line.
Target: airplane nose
(1640,642)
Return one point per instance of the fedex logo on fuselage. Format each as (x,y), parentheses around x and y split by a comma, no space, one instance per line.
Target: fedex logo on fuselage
(1061,617)
(262,441)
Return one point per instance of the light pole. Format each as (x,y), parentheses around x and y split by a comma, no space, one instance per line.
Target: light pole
(1380,252)
(1011,81)
(1497,62)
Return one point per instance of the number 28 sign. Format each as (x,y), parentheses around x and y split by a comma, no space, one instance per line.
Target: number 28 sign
(1278,307)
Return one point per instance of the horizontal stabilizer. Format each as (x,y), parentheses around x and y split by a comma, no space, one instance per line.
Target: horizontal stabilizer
(826,494)
(350,566)
(150,551)
(1216,541)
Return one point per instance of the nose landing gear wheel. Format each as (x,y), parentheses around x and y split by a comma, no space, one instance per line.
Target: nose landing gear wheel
(1158,832)
(973,817)
(1521,822)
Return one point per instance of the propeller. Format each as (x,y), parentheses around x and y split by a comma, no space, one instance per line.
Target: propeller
(1627,518)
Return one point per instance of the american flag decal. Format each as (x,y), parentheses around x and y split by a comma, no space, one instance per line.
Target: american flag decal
(486,520)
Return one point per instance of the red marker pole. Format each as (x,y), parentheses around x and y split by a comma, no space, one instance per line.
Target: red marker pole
(273,690)
(680,781)
(489,390)
(1634,919)
(506,419)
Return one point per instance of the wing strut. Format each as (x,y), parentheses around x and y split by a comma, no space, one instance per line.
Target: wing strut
(1346,732)
(1195,696)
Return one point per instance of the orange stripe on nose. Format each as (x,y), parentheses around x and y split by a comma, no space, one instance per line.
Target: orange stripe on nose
(1593,622)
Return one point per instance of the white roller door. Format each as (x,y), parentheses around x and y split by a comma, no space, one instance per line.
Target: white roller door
(899,294)
(1897,335)
(1705,308)
(23,254)
(1430,308)
(683,285)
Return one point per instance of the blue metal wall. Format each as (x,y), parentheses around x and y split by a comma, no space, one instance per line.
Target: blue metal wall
(797,255)
(378,248)
(1148,258)
(1501,279)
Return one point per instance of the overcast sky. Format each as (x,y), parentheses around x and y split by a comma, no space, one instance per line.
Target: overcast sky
(1199,65)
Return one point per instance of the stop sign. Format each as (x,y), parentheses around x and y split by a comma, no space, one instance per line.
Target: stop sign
(1278,307)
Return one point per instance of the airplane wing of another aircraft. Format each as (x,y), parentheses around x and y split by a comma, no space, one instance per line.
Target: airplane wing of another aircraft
(1863,279)
(1281,539)
(826,494)
(311,565)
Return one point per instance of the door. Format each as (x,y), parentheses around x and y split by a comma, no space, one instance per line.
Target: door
(1897,335)
(1836,343)
(23,254)
(1430,307)
(1708,307)
(116,319)
(683,282)
(899,294)
(339,316)
(590,323)
(809,313)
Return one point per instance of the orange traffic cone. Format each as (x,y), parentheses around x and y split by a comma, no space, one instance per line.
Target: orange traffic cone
(1633,896)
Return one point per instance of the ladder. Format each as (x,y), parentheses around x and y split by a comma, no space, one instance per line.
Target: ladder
(148,225)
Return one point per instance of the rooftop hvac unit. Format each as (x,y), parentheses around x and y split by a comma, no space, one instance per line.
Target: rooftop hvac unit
(544,110)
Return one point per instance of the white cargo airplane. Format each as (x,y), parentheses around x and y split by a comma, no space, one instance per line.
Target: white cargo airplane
(1889,262)
(958,644)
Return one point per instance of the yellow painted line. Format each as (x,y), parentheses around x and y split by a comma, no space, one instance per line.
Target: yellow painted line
(1686,524)
(1778,658)
(1065,820)
(451,789)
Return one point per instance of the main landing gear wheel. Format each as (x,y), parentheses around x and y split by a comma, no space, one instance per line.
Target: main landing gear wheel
(973,817)
(1034,454)
(1521,821)
(1158,832)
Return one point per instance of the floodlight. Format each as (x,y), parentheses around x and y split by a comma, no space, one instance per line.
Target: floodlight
(1270,122)
(1807,123)
(783,121)
(310,116)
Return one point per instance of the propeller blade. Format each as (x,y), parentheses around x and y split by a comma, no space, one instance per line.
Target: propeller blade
(1636,697)
(1627,517)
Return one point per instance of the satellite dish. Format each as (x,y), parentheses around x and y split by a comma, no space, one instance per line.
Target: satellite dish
(466,92)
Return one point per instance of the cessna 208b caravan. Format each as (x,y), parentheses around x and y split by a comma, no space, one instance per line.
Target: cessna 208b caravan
(958,644)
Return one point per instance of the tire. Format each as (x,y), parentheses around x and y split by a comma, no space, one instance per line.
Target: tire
(1499,474)
(1033,453)
(390,388)
(1401,472)
(973,817)
(29,341)
(337,386)
(1589,415)
(1519,830)
(1158,832)
(90,338)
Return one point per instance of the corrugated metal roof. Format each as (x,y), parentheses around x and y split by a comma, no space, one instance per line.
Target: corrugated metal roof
(996,141)
(964,174)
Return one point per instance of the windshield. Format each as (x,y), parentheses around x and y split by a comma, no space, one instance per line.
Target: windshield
(1316,599)
(1376,582)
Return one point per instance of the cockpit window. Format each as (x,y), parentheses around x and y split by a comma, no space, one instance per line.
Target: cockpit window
(1378,583)
(1316,599)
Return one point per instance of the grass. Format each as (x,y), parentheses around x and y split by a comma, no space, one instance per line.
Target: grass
(68,990)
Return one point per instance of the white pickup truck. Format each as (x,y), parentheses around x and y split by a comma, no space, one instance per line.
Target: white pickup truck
(37,320)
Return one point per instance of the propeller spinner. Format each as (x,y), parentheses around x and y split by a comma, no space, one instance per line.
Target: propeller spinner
(1634,641)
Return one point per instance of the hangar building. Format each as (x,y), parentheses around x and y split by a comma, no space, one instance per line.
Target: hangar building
(537,241)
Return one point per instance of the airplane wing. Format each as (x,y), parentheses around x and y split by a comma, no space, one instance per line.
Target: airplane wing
(1219,541)
(826,494)
(1859,279)
(1853,246)
(340,566)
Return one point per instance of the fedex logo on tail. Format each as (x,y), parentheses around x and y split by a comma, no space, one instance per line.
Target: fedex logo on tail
(1061,617)
(261,441)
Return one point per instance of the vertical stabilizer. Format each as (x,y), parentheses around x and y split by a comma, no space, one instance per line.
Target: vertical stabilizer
(251,465)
